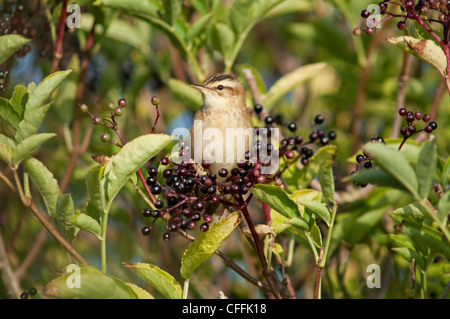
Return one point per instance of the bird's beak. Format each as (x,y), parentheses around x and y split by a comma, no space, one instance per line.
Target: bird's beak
(199,87)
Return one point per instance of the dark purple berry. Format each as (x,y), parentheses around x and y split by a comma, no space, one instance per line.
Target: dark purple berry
(402,111)
(223,172)
(156,213)
(359,158)
(292,127)
(122,102)
(146,230)
(426,118)
(258,108)
(151,180)
(166,236)
(156,189)
(332,135)
(204,227)
(433,125)
(152,171)
(147,212)
(319,119)
(165,161)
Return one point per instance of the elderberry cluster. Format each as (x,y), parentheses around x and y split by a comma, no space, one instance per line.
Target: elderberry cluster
(412,119)
(437,11)
(295,146)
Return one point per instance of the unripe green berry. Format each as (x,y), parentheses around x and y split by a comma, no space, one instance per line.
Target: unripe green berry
(105,137)
(111,106)
(118,111)
(83,107)
(155,100)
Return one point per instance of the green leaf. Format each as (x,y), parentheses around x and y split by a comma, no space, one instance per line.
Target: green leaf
(7,147)
(395,164)
(85,222)
(277,199)
(157,278)
(42,93)
(223,39)
(94,188)
(28,145)
(9,44)
(375,176)
(427,237)
(412,211)
(409,255)
(16,100)
(173,9)
(132,6)
(444,207)
(426,50)
(64,210)
(318,208)
(8,114)
(31,122)
(207,244)
(300,179)
(198,26)
(289,81)
(186,93)
(93,284)
(326,179)
(300,223)
(426,168)
(44,181)
(130,158)
(240,15)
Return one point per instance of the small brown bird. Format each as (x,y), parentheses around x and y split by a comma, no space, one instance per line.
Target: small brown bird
(223,123)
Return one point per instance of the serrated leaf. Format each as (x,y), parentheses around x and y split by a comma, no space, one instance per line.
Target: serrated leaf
(426,50)
(318,208)
(157,278)
(93,285)
(326,179)
(426,168)
(28,145)
(17,98)
(46,87)
(395,164)
(86,222)
(64,210)
(9,44)
(44,181)
(289,81)
(207,244)
(94,188)
(427,237)
(277,199)
(414,211)
(31,122)
(8,114)
(130,158)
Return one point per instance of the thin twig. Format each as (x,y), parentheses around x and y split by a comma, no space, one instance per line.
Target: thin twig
(401,93)
(58,54)
(8,277)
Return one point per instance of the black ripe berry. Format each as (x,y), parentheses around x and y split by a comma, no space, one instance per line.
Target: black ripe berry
(402,111)
(292,127)
(145,230)
(166,236)
(32,291)
(359,158)
(156,189)
(159,204)
(332,135)
(258,108)
(319,119)
(269,120)
(147,212)
(24,295)
(433,125)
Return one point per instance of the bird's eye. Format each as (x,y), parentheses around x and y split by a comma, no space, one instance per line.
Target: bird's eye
(220,87)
